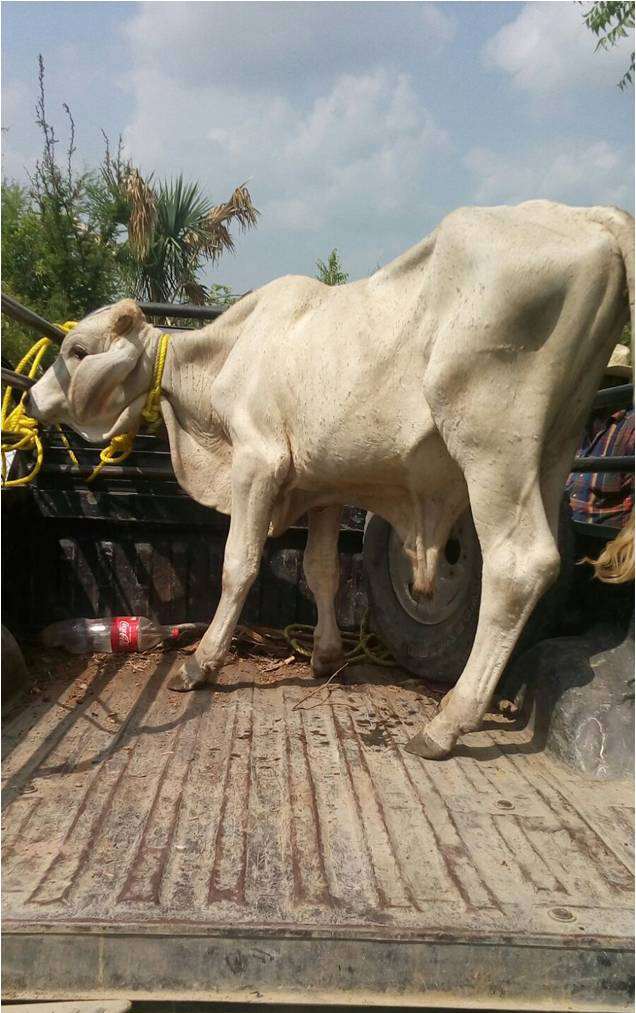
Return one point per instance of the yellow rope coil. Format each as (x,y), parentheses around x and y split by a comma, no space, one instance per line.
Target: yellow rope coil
(361,646)
(26,428)
(15,420)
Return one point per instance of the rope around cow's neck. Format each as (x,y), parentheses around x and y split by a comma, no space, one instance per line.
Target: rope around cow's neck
(26,428)
(120,447)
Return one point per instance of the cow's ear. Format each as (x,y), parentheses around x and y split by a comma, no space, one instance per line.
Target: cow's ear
(98,377)
(127,317)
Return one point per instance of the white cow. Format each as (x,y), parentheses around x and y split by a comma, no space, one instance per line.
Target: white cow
(461,373)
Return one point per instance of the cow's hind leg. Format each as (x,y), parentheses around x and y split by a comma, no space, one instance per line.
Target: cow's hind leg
(322,572)
(253,493)
(520,561)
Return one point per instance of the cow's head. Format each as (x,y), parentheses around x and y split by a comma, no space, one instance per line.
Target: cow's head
(100,379)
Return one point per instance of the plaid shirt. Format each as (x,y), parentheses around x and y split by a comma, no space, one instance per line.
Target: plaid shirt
(604,497)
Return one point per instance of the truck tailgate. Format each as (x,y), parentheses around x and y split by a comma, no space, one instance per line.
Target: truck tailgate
(256,843)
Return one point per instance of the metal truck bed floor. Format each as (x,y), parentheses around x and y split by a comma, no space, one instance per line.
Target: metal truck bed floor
(256,843)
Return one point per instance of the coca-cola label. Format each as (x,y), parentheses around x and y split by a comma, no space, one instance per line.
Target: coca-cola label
(124,634)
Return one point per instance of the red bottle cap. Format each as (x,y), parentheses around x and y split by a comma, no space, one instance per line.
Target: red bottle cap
(124,634)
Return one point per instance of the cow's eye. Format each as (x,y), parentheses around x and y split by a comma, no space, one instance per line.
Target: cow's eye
(78,352)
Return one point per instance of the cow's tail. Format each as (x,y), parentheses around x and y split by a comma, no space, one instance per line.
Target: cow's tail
(621,226)
(615,565)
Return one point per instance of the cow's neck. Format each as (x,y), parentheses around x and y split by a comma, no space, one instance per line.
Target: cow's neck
(194,360)
(200,454)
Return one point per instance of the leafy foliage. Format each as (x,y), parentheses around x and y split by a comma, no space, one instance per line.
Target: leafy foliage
(57,257)
(20,236)
(79,266)
(611,22)
(221,295)
(331,273)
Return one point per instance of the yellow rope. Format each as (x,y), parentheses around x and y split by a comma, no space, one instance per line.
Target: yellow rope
(17,421)
(362,646)
(151,412)
(27,436)
(69,449)
(120,447)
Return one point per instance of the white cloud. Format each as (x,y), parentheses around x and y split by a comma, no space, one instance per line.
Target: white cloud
(358,151)
(361,116)
(548,48)
(264,43)
(587,173)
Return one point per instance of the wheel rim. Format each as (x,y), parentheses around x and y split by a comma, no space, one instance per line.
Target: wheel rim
(458,563)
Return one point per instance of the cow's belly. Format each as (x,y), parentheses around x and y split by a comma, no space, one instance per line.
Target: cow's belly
(399,489)
(374,429)
(404,456)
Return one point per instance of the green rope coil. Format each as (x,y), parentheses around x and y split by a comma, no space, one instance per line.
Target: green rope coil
(363,646)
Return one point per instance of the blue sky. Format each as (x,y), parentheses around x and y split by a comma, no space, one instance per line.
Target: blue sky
(356,125)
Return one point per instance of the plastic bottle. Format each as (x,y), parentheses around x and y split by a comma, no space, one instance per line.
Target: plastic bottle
(119,635)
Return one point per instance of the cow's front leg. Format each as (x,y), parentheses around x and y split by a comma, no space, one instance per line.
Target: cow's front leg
(320,563)
(253,492)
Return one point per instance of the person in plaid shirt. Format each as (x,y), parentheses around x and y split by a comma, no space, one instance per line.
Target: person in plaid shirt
(606,498)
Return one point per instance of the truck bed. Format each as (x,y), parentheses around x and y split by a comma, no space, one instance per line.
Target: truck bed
(256,843)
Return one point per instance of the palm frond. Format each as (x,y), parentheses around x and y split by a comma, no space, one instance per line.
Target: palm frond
(143,212)
(238,208)
(195,292)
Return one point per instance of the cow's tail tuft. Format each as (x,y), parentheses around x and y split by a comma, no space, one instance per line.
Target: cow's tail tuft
(615,565)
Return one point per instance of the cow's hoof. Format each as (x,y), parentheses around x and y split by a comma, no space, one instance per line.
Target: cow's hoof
(190,676)
(324,666)
(429,745)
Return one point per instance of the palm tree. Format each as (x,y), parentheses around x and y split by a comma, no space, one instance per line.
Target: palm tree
(331,273)
(172,230)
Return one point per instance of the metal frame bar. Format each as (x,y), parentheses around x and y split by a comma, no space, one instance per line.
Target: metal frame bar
(603,464)
(17,380)
(32,320)
(614,397)
(184,311)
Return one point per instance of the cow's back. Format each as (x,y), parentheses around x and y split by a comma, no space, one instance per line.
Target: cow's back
(526,304)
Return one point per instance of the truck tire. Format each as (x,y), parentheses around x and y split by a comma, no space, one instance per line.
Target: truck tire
(433,637)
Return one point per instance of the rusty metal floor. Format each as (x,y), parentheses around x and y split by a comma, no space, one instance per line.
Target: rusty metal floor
(255,842)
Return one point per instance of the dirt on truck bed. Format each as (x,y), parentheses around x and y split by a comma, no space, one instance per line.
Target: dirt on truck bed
(261,841)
